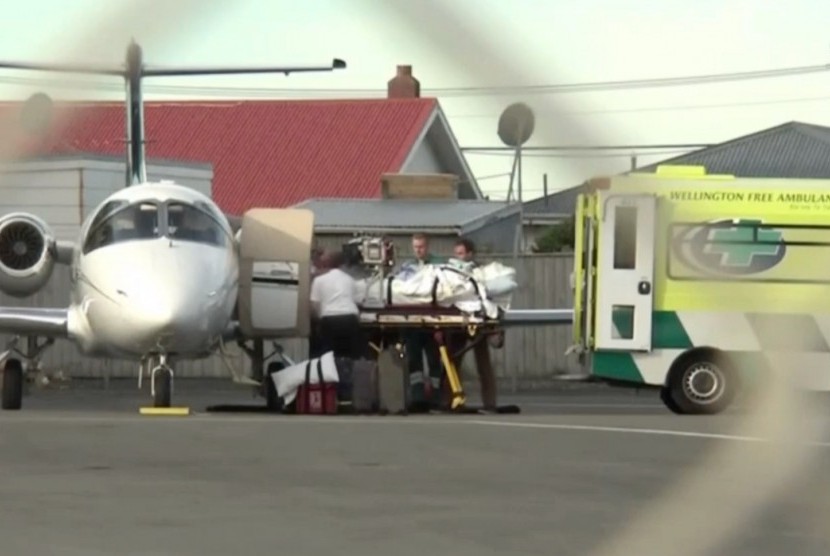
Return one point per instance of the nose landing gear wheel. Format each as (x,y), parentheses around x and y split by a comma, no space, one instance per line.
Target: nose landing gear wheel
(163,387)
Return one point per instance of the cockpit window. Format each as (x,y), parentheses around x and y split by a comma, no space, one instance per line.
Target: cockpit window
(126,223)
(106,211)
(192,223)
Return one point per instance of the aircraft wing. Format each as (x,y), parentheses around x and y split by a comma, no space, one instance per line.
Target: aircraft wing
(51,323)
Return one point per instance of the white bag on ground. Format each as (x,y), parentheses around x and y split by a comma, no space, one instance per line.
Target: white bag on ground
(288,380)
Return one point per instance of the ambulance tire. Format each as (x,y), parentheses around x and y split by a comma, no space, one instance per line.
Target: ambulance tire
(701,382)
(666,398)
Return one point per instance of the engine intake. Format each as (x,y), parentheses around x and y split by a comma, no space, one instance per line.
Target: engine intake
(27,254)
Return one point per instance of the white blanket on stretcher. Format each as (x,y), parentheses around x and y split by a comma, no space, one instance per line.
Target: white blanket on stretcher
(288,380)
(485,288)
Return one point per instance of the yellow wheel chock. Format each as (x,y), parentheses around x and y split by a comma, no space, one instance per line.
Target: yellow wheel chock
(165,411)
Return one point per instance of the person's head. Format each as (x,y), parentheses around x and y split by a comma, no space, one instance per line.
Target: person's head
(464,250)
(330,259)
(420,246)
(324,259)
(336,259)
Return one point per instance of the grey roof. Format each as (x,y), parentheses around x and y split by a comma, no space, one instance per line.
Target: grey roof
(790,150)
(561,202)
(405,214)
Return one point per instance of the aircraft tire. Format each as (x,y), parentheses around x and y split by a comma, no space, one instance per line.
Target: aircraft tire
(701,382)
(12,385)
(164,389)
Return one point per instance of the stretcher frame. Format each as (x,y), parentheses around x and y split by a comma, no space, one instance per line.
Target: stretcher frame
(440,319)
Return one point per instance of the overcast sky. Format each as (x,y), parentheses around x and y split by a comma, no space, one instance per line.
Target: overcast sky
(468,44)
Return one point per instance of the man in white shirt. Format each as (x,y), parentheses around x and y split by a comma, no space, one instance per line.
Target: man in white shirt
(334,297)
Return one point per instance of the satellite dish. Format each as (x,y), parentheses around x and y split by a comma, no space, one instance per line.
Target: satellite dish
(36,115)
(516,124)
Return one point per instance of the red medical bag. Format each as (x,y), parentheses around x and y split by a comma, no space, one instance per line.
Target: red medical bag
(316,399)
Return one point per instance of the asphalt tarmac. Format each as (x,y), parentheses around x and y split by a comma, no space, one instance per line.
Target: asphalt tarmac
(82,473)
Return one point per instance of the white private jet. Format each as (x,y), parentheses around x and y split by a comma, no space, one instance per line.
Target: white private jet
(158,273)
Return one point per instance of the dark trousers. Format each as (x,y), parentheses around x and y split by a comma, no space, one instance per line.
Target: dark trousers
(456,341)
(342,335)
(418,343)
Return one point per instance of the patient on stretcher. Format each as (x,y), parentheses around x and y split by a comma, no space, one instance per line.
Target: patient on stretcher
(485,288)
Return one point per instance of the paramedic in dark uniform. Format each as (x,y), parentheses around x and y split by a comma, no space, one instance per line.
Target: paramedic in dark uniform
(334,295)
(419,341)
(464,251)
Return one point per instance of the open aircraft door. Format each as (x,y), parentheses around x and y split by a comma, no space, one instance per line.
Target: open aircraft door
(275,273)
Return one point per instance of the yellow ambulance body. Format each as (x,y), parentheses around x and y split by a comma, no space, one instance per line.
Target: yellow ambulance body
(695,283)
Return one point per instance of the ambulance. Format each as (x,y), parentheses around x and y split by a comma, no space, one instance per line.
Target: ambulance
(699,284)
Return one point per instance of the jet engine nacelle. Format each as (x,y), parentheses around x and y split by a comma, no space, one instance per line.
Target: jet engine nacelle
(27,254)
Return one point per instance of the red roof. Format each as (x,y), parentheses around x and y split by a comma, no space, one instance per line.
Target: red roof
(264,153)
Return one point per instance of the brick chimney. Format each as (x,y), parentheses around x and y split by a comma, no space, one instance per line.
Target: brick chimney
(403,85)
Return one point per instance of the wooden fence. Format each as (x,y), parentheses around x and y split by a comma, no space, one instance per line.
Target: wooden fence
(530,354)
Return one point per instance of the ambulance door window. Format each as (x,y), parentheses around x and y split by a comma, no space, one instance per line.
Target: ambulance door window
(622,316)
(625,237)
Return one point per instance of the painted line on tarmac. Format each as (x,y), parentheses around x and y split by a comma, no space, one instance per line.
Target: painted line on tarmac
(115,418)
(631,430)
(596,405)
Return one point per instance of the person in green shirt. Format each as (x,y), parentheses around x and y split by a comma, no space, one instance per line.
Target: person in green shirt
(419,342)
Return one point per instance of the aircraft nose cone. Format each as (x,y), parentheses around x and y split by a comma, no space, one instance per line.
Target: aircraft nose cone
(159,319)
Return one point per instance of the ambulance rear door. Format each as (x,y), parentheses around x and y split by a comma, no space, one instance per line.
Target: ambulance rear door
(625,270)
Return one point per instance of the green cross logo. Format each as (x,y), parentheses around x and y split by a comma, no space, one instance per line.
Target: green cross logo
(742,254)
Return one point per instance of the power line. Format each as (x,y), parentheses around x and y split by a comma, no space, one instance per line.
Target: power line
(456,91)
(572,155)
(660,108)
(684,146)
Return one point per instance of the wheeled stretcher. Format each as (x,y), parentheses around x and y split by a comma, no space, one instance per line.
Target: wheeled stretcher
(447,298)
(440,320)
(445,319)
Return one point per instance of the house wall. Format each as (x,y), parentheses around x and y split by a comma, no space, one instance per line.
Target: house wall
(424,161)
(53,195)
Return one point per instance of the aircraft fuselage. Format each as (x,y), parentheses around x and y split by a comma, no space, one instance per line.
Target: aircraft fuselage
(142,285)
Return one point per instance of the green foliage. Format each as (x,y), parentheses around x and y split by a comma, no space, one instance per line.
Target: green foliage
(559,237)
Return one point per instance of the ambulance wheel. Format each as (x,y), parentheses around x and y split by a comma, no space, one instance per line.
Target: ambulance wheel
(13,384)
(701,382)
(272,400)
(666,398)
